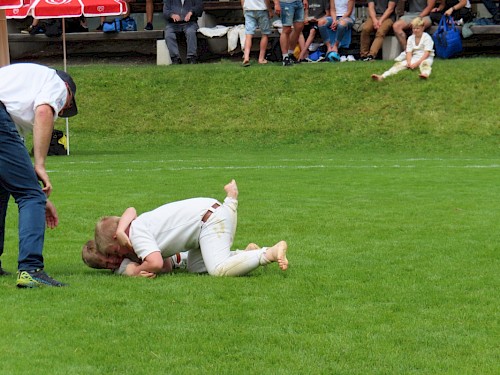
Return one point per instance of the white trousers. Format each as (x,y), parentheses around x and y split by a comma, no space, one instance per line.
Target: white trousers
(425,67)
(216,238)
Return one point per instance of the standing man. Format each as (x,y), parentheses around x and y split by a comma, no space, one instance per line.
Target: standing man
(292,14)
(31,98)
(417,8)
(182,17)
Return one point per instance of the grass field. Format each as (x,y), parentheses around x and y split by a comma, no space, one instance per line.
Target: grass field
(387,194)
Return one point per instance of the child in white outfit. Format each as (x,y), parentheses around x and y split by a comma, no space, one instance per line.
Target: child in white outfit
(419,53)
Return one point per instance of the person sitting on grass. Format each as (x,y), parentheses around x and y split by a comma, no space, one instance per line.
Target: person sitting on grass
(419,53)
(203,226)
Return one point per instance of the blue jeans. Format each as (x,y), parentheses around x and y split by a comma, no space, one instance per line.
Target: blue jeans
(342,34)
(18,178)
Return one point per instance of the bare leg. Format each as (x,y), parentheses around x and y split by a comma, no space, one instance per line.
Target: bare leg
(262,53)
(277,253)
(248,46)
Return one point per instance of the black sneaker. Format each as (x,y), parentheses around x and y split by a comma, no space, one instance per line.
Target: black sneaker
(192,60)
(148,27)
(4,273)
(293,58)
(36,278)
(176,61)
(99,28)
(33,30)
(287,61)
(368,58)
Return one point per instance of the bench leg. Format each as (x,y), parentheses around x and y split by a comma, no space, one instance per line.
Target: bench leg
(391,48)
(162,54)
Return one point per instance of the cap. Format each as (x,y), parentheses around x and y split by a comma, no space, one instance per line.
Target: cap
(67,78)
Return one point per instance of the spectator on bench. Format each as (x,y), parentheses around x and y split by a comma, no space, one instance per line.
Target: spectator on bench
(381,17)
(417,8)
(182,17)
(336,29)
(317,10)
(149,16)
(494,10)
(458,9)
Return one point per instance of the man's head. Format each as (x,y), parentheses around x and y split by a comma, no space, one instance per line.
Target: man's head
(70,108)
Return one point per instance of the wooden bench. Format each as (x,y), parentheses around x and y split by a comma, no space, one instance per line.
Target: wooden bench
(230,13)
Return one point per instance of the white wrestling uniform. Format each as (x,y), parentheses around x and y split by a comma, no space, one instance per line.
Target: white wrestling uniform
(178,226)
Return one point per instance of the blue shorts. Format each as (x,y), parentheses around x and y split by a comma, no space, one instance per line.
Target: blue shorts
(257,18)
(292,12)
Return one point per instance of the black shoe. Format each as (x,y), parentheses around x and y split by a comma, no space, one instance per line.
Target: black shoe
(368,58)
(148,27)
(99,28)
(176,61)
(192,60)
(4,273)
(34,30)
(36,278)
(287,61)
(293,58)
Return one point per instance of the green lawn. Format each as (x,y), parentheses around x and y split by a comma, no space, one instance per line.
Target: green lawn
(387,194)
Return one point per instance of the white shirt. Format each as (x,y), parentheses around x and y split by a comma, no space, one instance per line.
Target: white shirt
(254,5)
(341,7)
(23,87)
(426,44)
(171,228)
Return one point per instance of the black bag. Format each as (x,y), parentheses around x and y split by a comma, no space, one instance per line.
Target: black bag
(57,143)
(53,27)
(274,54)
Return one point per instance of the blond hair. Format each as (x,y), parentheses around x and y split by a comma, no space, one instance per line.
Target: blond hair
(105,230)
(418,21)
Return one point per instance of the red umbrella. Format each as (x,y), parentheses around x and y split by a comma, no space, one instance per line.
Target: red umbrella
(4,40)
(43,9)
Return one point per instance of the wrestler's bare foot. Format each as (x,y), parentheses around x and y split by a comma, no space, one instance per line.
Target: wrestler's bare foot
(277,253)
(376,77)
(231,189)
(252,246)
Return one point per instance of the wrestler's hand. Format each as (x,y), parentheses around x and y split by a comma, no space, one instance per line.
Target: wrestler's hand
(149,275)
(123,240)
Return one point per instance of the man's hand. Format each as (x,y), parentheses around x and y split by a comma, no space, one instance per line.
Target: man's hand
(51,218)
(188,16)
(175,17)
(44,177)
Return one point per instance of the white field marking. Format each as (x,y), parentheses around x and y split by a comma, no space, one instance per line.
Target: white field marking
(279,160)
(256,167)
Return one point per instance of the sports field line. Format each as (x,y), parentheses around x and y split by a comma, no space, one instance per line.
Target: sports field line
(262,167)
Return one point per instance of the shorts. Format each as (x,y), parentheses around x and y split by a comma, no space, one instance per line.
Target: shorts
(408,17)
(257,18)
(291,12)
